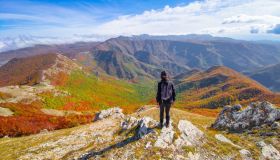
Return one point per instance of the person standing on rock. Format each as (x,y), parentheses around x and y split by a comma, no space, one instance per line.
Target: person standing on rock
(165,97)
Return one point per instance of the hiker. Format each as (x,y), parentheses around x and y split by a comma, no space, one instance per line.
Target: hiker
(165,97)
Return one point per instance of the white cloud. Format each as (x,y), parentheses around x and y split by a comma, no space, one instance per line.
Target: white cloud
(233,18)
(218,17)
(251,19)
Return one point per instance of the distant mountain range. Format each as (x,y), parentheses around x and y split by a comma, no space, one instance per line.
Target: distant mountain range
(150,54)
(268,76)
(146,55)
(67,49)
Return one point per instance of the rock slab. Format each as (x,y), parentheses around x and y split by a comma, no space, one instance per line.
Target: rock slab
(190,134)
(115,112)
(256,114)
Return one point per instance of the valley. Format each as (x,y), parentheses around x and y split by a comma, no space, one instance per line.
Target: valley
(96,100)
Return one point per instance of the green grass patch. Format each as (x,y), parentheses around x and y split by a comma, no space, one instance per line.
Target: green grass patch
(102,92)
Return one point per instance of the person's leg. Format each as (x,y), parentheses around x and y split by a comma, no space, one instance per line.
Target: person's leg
(167,113)
(161,113)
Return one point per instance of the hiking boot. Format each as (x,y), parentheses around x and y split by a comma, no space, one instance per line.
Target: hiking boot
(160,125)
(167,125)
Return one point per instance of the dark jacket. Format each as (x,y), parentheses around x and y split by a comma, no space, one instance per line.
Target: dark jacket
(165,90)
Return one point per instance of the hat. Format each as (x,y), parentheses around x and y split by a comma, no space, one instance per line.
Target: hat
(163,73)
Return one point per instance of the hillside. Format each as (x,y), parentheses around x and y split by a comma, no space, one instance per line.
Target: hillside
(136,136)
(51,91)
(34,69)
(268,76)
(217,87)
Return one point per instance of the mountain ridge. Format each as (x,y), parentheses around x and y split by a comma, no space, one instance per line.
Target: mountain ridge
(220,86)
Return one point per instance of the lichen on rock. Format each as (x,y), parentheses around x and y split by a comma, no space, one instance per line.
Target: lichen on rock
(256,114)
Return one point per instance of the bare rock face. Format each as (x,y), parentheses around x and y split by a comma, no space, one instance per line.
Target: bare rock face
(256,114)
(190,134)
(268,151)
(112,112)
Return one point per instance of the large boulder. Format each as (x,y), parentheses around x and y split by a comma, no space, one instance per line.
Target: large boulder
(143,126)
(256,114)
(190,134)
(111,112)
(268,151)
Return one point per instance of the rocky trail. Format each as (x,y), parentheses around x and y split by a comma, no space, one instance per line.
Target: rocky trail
(114,135)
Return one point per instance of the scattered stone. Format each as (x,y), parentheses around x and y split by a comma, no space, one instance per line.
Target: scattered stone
(166,136)
(180,157)
(193,156)
(222,138)
(28,94)
(245,154)
(148,145)
(111,112)
(190,134)
(268,151)
(256,114)
(73,141)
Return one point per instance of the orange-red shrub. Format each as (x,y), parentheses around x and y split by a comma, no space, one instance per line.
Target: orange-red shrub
(25,125)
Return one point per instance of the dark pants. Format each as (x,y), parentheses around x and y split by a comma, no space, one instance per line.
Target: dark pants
(165,105)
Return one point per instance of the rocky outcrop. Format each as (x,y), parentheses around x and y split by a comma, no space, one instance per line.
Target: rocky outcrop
(27,94)
(256,114)
(166,137)
(268,151)
(129,122)
(112,112)
(190,134)
(145,126)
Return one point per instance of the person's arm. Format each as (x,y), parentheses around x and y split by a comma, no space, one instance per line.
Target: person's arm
(158,98)
(173,93)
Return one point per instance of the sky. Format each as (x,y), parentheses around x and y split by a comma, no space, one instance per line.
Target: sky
(241,19)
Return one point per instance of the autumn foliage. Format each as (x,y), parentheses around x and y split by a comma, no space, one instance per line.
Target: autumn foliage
(220,86)
(29,119)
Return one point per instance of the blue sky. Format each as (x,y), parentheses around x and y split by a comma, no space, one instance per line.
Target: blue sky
(243,19)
